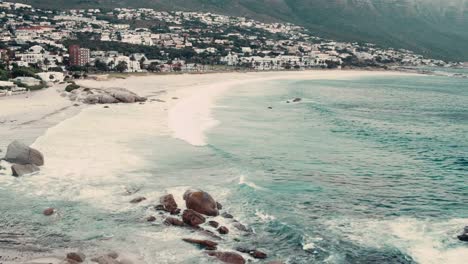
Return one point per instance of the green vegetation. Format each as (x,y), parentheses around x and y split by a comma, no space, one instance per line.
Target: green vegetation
(71,87)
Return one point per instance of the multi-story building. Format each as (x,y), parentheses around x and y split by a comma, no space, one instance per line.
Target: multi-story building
(78,56)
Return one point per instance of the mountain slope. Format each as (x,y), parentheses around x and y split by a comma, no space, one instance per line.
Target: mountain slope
(436,28)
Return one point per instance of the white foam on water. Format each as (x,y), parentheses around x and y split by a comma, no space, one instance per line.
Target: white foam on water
(86,155)
(264,217)
(427,242)
(243,181)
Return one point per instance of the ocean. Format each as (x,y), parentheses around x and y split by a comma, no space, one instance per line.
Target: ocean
(368,170)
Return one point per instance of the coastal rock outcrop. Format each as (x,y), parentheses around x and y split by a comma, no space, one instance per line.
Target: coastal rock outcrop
(48,211)
(192,218)
(227,257)
(464,235)
(201,202)
(76,256)
(168,203)
(19,153)
(19,170)
(253,252)
(206,244)
(173,221)
(223,230)
(105,96)
(138,200)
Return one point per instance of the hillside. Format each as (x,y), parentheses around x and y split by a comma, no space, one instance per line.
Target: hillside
(436,28)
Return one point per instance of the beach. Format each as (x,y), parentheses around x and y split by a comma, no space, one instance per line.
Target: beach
(93,154)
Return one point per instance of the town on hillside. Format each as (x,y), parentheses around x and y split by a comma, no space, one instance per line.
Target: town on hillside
(39,47)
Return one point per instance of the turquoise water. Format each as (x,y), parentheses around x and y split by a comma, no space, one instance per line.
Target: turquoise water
(370,170)
(351,166)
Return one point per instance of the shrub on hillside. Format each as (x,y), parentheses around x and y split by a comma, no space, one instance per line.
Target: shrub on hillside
(71,87)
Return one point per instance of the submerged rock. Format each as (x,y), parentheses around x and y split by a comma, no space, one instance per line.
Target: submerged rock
(227,257)
(173,221)
(220,206)
(213,224)
(223,230)
(76,256)
(49,211)
(151,219)
(295,100)
(138,200)
(227,215)
(207,244)
(22,170)
(253,252)
(192,218)
(19,153)
(201,202)
(464,236)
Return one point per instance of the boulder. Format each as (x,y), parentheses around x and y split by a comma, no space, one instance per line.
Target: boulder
(220,206)
(21,170)
(173,221)
(107,99)
(201,202)
(241,227)
(151,219)
(49,211)
(253,252)
(92,99)
(207,244)
(227,215)
(223,230)
(76,256)
(192,218)
(124,95)
(19,153)
(295,100)
(168,203)
(227,257)
(213,224)
(464,236)
(138,200)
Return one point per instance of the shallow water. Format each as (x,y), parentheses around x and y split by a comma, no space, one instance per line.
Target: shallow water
(372,170)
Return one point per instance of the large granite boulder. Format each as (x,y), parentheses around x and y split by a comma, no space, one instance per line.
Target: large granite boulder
(124,95)
(227,257)
(19,153)
(201,202)
(19,170)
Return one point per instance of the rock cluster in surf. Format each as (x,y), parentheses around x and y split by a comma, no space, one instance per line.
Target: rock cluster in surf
(201,208)
(25,160)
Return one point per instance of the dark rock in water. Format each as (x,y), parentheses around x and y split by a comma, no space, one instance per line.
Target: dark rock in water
(138,200)
(253,252)
(201,202)
(295,100)
(270,107)
(76,256)
(227,257)
(241,227)
(192,218)
(227,215)
(106,106)
(223,230)
(175,98)
(159,207)
(288,102)
(168,203)
(219,206)
(464,236)
(213,224)
(49,211)
(151,219)
(173,221)
(19,153)
(258,254)
(176,212)
(105,260)
(20,170)
(113,254)
(207,244)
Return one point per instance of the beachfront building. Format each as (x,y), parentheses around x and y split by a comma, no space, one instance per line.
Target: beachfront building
(78,56)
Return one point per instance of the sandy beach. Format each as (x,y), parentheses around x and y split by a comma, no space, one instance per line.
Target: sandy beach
(70,136)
